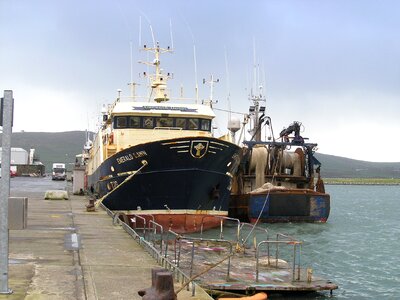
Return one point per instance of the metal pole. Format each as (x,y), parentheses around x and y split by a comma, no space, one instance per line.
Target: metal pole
(5,191)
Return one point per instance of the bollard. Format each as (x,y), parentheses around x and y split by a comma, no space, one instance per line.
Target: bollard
(162,286)
(91,206)
(309,274)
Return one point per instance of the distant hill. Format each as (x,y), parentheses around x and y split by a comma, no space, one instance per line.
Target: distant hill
(51,147)
(341,167)
(63,146)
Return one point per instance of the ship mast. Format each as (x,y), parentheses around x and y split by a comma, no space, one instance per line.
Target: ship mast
(158,80)
(256,108)
(210,101)
(256,112)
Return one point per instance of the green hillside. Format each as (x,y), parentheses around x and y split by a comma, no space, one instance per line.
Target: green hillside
(63,146)
(341,167)
(51,146)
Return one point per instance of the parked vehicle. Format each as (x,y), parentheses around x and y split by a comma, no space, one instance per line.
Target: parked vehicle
(59,172)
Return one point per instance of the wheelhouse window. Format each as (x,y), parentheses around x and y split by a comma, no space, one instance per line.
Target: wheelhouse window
(134,122)
(193,124)
(180,123)
(121,122)
(205,125)
(148,122)
(164,122)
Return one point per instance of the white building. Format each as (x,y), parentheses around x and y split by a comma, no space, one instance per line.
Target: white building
(19,156)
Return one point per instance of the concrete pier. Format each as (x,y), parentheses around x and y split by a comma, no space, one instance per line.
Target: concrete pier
(66,252)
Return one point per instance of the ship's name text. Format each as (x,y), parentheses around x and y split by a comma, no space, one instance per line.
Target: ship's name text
(131,156)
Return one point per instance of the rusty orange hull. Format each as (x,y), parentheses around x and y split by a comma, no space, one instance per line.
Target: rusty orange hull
(177,222)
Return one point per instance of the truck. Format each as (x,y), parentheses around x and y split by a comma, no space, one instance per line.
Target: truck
(59,171)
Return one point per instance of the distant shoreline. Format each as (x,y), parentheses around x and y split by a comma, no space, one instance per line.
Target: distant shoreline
(362,181)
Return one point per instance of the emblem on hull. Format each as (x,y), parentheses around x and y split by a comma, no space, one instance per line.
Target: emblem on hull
(198,148)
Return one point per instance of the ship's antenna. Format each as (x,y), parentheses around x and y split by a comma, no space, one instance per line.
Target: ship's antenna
(228,85)
(151,29)
(254,67)
(152,36)
(264,79)
(131,83)
(195,74)
(256,96)
(170,32)
(131,54)
(195,62)
(140,31)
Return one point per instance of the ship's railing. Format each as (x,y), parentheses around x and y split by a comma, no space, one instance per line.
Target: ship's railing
(255,233)
(147,242)
(153,226)
(162,260)
(281,239)
(134,223)
(276,250)
(223,220)
(197,241)
(240,234)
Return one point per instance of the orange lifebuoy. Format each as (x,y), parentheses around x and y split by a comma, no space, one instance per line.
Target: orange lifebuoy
(258,296)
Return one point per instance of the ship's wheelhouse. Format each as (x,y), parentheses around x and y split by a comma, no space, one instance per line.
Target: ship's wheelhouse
(159,122)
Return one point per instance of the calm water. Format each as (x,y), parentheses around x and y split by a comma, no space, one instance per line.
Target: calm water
(359,247)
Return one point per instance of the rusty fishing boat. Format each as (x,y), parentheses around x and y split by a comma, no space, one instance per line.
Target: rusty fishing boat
(279,180)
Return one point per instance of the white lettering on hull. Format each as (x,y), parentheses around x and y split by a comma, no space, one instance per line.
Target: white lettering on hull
(131,156)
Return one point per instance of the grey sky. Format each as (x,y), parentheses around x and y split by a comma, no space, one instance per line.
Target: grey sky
(332,65)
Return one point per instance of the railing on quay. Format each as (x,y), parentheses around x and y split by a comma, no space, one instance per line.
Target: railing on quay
(147,240)
(161,259)
(253,229)
(222,221)
(288,240)
(193,241)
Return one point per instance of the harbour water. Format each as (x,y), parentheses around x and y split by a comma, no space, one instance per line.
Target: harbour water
(359,247)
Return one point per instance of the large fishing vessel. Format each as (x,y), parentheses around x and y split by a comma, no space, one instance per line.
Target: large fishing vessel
(279,180)
(159,161)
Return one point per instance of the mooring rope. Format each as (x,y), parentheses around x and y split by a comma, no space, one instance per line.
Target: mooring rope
(261,211)
(97,203)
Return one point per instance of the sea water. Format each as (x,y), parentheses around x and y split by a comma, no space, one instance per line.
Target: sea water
(359,247)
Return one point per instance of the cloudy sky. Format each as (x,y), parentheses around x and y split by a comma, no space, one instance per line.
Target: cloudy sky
(333,65)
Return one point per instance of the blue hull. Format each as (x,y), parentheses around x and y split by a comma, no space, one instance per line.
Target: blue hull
(282,206)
